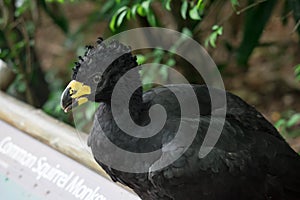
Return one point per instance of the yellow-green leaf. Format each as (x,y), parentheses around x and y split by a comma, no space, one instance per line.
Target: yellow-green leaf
(183,9)
(194,13)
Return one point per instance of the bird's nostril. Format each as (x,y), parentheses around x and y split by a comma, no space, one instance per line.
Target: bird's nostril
(72,91)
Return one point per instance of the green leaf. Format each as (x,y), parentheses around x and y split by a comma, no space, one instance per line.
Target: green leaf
(194,13)
(234,3)
(280,123)
(167,4)
(163,71)
(21,7)
(200,6)
(297,72)
(212,41)
(297,68)
(149,74)
(121,10)
(134,9)
(151,19)
(293,120)
(158,52)
(4,53)
(212,38)
(141,11)
(128,15)
(187,31)
(184,8)
(20,44)
(146,6)
(141,59)
(171,62)
(121,18)
(112,24)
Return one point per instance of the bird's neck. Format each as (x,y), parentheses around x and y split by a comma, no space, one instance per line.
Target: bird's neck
(134,103)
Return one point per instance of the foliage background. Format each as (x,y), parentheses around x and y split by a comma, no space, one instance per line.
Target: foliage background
(255,44)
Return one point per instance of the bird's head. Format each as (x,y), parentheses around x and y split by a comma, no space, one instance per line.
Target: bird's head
(96,73)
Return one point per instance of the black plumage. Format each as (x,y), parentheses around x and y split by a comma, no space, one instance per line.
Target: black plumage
(250,160)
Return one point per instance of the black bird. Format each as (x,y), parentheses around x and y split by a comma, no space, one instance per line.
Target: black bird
(249,161)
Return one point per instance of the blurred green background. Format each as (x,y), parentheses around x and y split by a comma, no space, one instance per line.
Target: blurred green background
(255,44)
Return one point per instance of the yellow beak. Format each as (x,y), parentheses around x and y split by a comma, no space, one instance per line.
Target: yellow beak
(74,95)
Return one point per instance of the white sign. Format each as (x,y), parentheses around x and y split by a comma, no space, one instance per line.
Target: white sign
(48,174)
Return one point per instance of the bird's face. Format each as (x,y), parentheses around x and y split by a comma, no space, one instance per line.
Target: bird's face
(96,73)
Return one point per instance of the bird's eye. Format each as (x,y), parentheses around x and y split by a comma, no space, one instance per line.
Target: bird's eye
(96,79)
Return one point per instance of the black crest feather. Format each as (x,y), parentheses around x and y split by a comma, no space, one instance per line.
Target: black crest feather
(103,50)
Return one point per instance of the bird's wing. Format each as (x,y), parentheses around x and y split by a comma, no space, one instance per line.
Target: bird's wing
(242,160)
(217,173)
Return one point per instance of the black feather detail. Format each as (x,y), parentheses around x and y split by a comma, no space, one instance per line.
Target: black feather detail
(99,40)
(107,50)
(88,47)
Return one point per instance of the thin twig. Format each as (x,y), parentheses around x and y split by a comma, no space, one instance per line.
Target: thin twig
(249,7)
(296,26)
(287,15)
